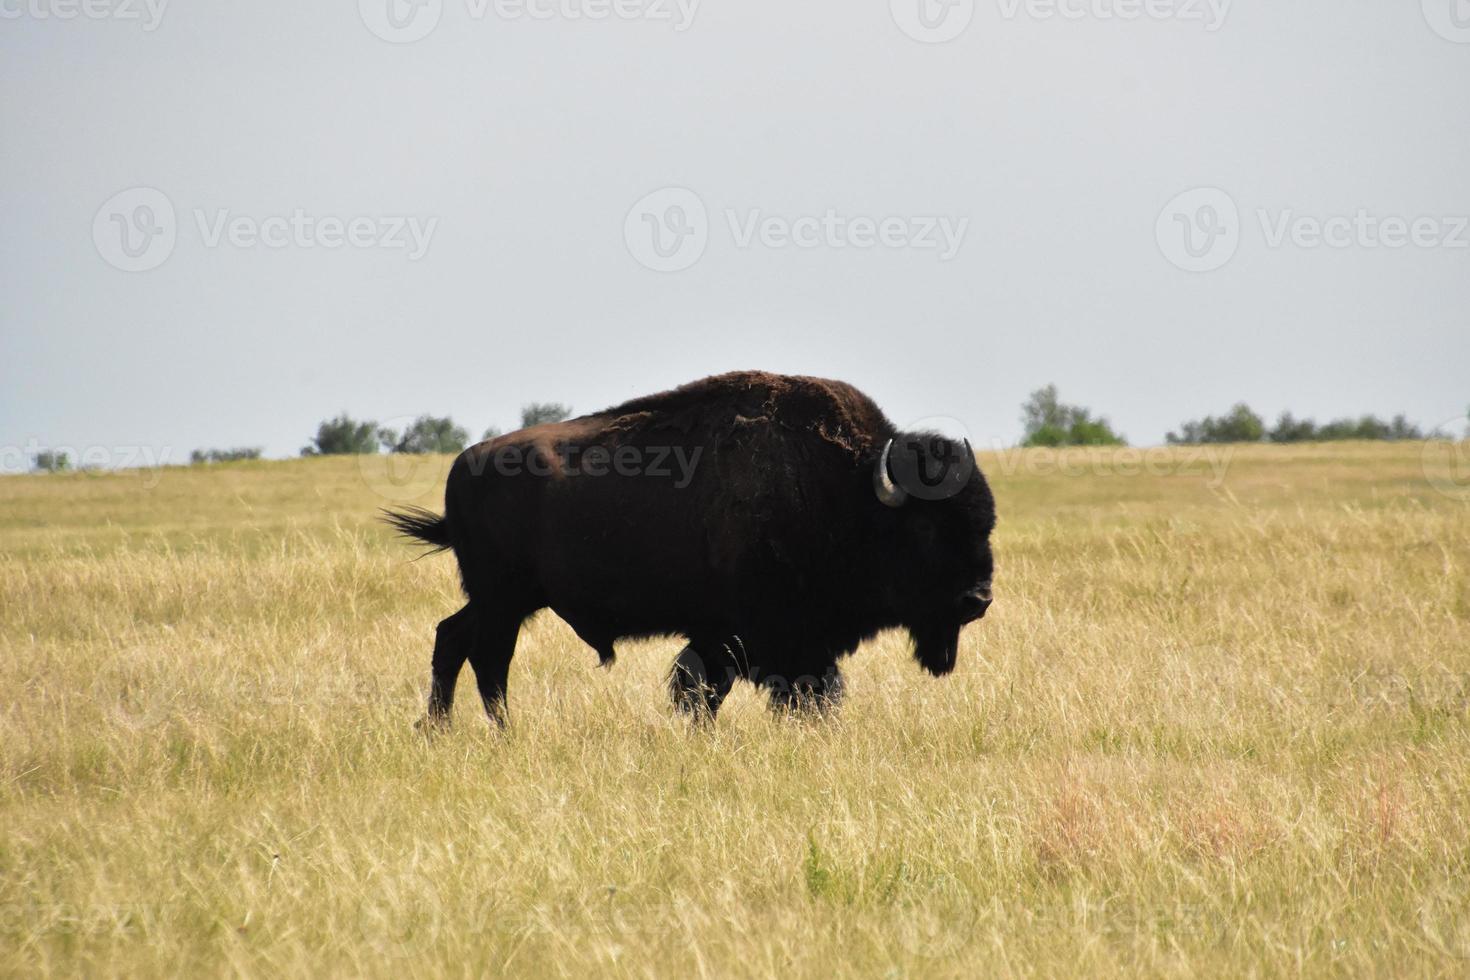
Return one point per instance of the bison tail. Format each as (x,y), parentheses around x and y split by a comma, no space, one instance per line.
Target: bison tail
(424,525)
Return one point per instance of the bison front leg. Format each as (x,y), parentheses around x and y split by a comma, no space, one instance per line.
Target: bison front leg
(699,683)
(807,695)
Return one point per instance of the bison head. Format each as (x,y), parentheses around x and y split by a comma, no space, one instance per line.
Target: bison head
(938,515)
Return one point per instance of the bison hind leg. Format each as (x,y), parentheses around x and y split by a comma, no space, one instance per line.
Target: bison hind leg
(701,679)
(453,641)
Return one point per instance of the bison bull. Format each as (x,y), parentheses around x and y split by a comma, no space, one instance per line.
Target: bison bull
(775,522)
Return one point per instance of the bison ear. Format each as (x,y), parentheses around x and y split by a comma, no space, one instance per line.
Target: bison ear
(888,492)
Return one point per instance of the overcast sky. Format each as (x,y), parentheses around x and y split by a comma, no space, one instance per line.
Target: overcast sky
(459,207)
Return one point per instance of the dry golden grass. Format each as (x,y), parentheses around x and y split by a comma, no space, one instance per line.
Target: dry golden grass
(1210,726)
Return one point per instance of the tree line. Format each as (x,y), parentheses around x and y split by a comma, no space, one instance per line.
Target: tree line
(344,435)
(426,434)
(1050,422)
(1047,421)
(1241,424)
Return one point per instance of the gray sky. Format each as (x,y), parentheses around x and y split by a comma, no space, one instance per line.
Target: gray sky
(1049,147)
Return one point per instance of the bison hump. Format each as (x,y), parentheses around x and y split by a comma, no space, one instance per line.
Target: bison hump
(730,405)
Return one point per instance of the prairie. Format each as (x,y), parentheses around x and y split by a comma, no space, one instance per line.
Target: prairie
(1217,722)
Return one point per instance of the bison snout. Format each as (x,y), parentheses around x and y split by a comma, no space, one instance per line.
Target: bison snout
(974,603)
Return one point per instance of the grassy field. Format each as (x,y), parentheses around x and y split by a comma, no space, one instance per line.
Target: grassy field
(1217,722)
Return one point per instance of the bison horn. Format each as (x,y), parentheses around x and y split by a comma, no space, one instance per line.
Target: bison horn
(888,492)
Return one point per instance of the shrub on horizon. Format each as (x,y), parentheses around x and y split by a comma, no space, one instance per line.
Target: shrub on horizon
(343,436)
(427,434)
(1050,422)
(539,413)
(224,455)
(1240,425)
(1368,427)
(51,461)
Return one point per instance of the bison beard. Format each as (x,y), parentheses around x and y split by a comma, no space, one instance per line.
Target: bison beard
(808,525)
(936,647)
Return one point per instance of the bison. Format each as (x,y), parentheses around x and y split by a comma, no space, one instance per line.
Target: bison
(774,522)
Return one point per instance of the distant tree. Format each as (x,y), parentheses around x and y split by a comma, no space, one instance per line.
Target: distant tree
(1290,429)
(1368,427)
(491,433)
(539,413)
(50,461)
(427,434)
(1044,410)
(343,436)
(1400,429)
(224,455)
(1088,431)
(1240,425)
(1341,429)
(1049,422)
